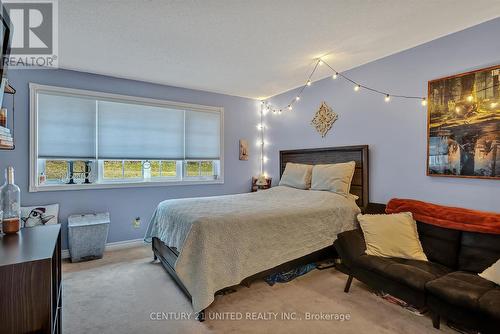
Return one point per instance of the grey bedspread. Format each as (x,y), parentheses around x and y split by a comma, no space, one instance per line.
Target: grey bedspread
(224,239)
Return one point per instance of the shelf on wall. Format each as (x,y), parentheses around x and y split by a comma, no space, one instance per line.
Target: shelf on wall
(10,90)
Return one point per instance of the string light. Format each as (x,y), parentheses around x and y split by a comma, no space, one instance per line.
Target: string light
(264,108)
(357,87)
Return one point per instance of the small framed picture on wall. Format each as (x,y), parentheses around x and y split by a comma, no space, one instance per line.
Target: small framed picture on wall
(244,149)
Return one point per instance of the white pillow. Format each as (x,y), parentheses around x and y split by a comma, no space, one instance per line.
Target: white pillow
(40,215)
(336,178)
(492,273)
(393,235)
(296,176)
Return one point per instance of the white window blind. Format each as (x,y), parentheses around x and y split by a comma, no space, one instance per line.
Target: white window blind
(66,127)
(132,131)
(202,135)
(71,124)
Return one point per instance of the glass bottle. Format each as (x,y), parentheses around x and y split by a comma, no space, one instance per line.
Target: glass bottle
(11,203)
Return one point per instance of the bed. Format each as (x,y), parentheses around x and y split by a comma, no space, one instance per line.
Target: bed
(212,243)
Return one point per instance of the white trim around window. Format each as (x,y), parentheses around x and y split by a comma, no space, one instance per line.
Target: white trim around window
(34,185)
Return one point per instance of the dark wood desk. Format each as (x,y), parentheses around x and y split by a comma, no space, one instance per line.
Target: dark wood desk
(30,281)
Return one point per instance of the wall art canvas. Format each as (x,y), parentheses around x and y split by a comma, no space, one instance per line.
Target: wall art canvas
(243,149)
(464,125)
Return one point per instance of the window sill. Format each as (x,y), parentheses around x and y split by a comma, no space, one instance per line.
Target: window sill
(64,187)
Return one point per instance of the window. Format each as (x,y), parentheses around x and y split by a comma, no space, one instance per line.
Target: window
(56,170)
(199,168)
(85,139)
(122,169)
(163,168)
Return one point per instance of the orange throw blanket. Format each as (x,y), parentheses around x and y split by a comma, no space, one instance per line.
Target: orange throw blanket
(446,216)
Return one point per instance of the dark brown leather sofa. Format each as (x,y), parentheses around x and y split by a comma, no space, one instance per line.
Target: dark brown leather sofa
(448,284)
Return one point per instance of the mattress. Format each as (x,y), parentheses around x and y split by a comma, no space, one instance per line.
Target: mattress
(223,239)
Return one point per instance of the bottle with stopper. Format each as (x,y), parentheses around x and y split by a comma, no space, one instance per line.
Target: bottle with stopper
(10,195)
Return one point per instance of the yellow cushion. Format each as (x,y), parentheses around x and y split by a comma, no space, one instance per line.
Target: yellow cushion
(393,235)
(492,273)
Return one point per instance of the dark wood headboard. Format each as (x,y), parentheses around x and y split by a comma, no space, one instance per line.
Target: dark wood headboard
(332,155)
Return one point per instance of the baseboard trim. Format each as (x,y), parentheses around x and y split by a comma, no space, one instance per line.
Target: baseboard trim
(112,246)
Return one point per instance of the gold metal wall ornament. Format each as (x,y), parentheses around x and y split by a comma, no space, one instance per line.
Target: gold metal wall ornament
(324,119)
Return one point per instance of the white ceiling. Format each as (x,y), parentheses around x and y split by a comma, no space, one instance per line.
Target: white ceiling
(252,48)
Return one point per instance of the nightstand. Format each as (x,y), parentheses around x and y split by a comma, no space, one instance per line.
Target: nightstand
(255,187)
(30,272)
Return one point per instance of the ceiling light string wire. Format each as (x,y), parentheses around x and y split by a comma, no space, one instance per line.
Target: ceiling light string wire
(308,83)
(297,98)
(357,87)
(370,88)
(338,74)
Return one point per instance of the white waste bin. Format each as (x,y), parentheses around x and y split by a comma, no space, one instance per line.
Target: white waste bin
(87,235)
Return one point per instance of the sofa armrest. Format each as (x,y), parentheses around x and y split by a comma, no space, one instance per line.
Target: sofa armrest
(350,245)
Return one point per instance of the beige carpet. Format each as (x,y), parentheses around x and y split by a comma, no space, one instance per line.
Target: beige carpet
(118,294)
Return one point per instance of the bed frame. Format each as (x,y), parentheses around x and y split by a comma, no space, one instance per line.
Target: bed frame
(333,155)
(359,187)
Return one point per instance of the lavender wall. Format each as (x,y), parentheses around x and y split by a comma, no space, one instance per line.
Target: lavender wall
(240,118)
(395,131)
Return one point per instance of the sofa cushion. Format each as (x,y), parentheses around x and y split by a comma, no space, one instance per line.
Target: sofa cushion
(412,273)
(478,251)
(393,236)
(440,244)
(350,245)
(373,263)
(461,288)
(489,303)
